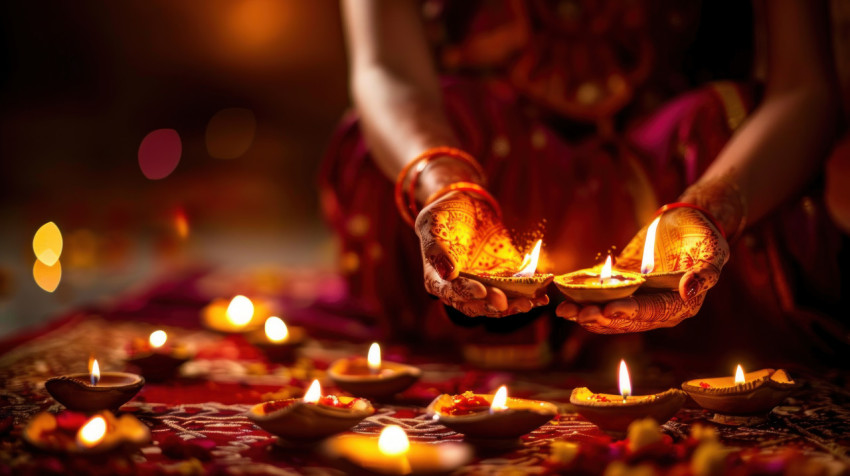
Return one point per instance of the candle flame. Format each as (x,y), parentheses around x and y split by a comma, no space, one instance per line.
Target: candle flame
(625,383)
(158,338)
(276,329)
(393,441)
(606,272)
(739,375)
(648,263)
(313,393)
(240,311)
(374,357)
(92,432)
(95,372)
(529,262)
(500,399)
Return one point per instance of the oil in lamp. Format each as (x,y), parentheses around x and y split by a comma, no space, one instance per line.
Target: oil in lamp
(598,284)
(157,359)
(526,282)
(372,377)
(94,391)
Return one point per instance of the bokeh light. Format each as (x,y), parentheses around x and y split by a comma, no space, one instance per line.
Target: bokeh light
(47,277)
(159,153)
(47,243)
(230,133)
(181,223)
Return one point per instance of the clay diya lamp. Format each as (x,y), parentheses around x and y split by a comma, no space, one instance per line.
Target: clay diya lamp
(156,360)
(614,413)
(76,433)
(527,282)
(745,399)
(393,453)
(491,418)
(278,341)
(372,377)
(94,391)
(237,315)
(311,418)
(589,286)
(656,280)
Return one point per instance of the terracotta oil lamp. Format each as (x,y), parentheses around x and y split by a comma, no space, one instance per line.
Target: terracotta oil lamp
(655,279)
(526,282)
(278,341)
(76,433)
(488,418)
(745,399)
(393,453)
(613,413)
(372,377)
(155,359)
(237,315)
(311,418)
(590,285)
(94,391)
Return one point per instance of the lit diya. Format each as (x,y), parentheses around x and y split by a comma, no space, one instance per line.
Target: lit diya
(393,453)
(94,391)
(589,285)
(526,282)
(491,417)
(614,413)
(72,432)
(656,279)
(744,399)
(311,418)
(156,360)
(239,314)
(372,377)
(277,340)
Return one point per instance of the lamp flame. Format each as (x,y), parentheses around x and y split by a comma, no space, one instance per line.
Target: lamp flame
(374,357)
(500,400)
(625,383)
(276,330)
(313,393)
(605,274)
(95,373)
(240,311)
(647,265)
(739,375)
(158,338)
(92,432)
(529,262)
(393,441)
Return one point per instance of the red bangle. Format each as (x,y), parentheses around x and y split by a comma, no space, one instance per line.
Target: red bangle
(698,208)
(470,187)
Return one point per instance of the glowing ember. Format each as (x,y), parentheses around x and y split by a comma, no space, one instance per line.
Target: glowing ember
(276,330)
(157,339)
(95,373)
(529,262)
(739,375)
(625,383)
(240,311)
(648,263)
(374,357)
(393,441)
(314,393)
(605,274)
(47,243)
(47,277)
(500,400)
(92,432)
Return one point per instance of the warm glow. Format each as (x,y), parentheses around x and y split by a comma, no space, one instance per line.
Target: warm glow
(95,372)
(240,311)
(47,277)
(529,262)
(47,243)
(181,224)
(500,400)
(92,432)
(276,329)
(606,272)
(625,383)
(393,441)
(648,263)
(158,338)
(374,357)
(739,375)
(313,393)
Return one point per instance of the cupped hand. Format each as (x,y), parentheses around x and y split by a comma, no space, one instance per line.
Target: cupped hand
(685,240)
(460,232)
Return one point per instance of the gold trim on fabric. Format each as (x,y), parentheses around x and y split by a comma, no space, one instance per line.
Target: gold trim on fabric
(733,103)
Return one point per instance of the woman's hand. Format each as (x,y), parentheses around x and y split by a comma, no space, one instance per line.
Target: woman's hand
(685,240)
(460,232)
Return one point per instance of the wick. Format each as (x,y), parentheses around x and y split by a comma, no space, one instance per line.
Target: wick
(94,380)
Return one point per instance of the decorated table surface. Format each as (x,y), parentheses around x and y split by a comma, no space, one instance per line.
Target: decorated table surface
(198,417)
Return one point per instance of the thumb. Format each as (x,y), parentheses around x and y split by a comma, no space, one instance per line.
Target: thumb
(698,280)
(440,259)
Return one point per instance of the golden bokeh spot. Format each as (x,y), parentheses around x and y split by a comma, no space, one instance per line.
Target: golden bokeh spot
(230,133)
(47,243)
(82,249)
(47,277)
(349,262)
(358,225)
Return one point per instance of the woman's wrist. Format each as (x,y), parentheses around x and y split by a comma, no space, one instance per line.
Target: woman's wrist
(441,172)
(722,198)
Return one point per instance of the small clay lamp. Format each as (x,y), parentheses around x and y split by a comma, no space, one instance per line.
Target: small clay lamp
(613,413)
(94,391)
(72,432)
(277,340)
(489,418)
(393,453)
(238,315)
(156,360)
(372,377)
(745,399)
(527,282)
(311,418)
(589,285)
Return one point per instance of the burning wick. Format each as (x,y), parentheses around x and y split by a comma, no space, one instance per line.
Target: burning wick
(157,339)
(648,263)
(240,311)
(276,330)
(625,383)
(95,373)
(92,432)
(605,274)
(393,443)
(500,400)
(313,393)
(374,358)
(739,376)
(529,262)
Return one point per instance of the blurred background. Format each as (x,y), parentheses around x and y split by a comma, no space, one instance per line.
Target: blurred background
(155,133)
